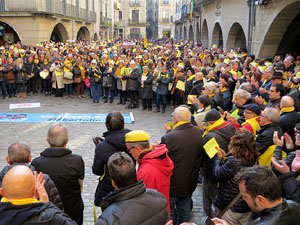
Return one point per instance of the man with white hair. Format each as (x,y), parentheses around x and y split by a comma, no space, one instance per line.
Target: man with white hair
(185,146)
(65,169)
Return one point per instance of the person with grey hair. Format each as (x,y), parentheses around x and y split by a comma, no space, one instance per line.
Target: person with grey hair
(65,169)
(185,145)
(241,98)
(19,154)
(146,94)
(269,123)
(212,91)
(130,202)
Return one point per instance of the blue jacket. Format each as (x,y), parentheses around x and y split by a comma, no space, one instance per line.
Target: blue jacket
(163,83)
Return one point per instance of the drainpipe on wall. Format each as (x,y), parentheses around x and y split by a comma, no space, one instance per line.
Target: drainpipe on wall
(251,23)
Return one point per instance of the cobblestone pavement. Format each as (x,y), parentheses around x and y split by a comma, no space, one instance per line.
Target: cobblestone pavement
(81,137)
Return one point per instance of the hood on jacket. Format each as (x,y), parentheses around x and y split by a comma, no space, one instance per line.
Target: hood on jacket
(116,138)
(18,214)
(159,158)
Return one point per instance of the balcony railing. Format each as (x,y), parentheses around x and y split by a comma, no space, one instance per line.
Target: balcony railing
(165,20)
(139,24)
(105,22)
(46,6)
(135,4)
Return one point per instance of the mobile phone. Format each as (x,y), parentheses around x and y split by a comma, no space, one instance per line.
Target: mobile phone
(220,110)
(208,221)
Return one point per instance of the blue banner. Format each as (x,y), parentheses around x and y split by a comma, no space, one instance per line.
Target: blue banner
(57,118)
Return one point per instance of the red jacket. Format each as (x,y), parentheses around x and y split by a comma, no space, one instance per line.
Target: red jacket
(155,168)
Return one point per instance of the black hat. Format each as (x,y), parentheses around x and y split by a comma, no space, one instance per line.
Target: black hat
(253,108)
(212,115)
(277,75)
(297,126)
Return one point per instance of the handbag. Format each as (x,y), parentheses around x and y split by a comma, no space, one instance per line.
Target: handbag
(68,75)
(53,78)
(107,82)
(87,82)
(10,75)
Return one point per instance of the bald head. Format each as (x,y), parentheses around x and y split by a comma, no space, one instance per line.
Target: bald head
(18,183)
(286,101)
(182,113)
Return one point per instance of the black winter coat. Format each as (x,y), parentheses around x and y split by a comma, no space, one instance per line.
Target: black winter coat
(228,189)
(114,142)
(65,169)
(132,81)
(134,205)
(185,147)
(92,76)
(285,213)
(222,136)
(146,91)
(217,100)
(33,214)
(287,122)
(296,96)
(31,68)
(111,77)
(264,138)
(49,185)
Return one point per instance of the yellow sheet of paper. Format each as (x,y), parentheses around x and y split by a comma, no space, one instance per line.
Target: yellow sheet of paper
(210,147)
(180,85)
(191,96)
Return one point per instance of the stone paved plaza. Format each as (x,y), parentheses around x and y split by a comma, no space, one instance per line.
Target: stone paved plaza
(81,137)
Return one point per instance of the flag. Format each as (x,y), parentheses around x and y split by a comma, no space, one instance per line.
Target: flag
(192,10)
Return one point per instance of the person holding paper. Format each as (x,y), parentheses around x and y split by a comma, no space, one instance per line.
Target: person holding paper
(242,153)
(45,67)
(146,88)
(222,131)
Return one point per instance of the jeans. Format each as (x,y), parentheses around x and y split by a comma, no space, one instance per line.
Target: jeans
(161,99)
(3,88)
(112,94)
(183,207)
(96,91)
(12,89)
(68,89)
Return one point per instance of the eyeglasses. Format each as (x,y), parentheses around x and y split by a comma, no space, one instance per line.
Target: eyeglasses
(129,149)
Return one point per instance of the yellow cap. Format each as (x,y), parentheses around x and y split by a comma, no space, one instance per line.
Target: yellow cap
(137,136)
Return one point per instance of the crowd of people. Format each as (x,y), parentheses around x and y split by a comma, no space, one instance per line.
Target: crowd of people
(248,106)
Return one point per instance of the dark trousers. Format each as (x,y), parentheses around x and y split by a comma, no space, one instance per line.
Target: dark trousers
(68,88)
(106,93)
(147,103)
(123,96)
(31,85)
(134,98)
(183,206)
(11,89)
(21,87)
(161,99)
(3,88)
(209,193)
(47,85)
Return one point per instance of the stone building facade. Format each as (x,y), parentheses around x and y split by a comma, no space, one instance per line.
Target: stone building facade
(134,18)
(263,27)
(165,26)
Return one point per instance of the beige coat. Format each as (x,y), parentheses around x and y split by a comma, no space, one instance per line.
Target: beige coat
(200,116)
(59,80)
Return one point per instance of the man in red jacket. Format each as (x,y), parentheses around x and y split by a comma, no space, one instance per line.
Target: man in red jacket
(155,166)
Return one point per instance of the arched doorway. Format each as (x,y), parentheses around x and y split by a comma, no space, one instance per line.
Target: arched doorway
(236,37)
(59,33)
(283,35)
(95,38)
(184,33)
(217,36)
(8,34)
(204,35)
(83,34)
(191,33)
(198,35)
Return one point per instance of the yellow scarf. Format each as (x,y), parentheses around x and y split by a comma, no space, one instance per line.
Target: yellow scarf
(162,75)
(225,89)
(253,123)
(180,123)
(23,201)
(175,70)
(95,74)
(218,123)
(191,78)
(68,63)
(266,124)
(287,109)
